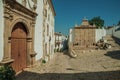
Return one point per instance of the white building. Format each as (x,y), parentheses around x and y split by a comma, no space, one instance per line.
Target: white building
(24,31)
(38,44)
(114,31)
(48,29)
(60,41)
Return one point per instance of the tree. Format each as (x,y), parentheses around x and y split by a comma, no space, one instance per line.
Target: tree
(97,21)
(118,23)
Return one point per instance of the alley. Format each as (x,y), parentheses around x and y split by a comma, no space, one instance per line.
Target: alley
(88,65)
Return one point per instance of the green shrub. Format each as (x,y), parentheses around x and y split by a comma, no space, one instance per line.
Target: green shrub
(43,61)
(55,50)
(58,50)
(7,73)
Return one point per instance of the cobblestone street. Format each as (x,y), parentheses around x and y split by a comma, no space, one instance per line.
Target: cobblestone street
(60,40)
(90,65)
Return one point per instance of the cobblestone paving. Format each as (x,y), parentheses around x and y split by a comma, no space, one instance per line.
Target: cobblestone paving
(90,65)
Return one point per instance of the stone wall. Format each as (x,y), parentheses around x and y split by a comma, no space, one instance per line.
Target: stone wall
(84,37)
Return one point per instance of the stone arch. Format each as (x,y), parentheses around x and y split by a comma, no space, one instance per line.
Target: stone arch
(23,27)
(19,46)
(29,39)
(24,22)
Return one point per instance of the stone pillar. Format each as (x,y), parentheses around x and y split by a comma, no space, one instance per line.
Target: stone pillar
(32,52)
(8,17)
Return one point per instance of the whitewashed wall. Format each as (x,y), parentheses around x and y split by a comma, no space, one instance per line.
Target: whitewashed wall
(71,36)
(99,33)
(50,21)
(1,30)
(38,44)
(52,32)
(110,31)
(116,31)
(117,34)
(61,39)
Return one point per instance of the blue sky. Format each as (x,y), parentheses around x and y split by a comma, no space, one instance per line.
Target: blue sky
(71,12)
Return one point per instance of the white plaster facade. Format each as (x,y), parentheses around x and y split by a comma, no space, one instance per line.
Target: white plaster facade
(1,30)
(71,35)
(48,29)
(60,42)
(116,32)
(38,26)
(99,34)
(110,30)
(38,30)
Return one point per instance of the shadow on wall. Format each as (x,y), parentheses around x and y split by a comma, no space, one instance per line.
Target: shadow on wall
(113,54)
(117,40)
(111,75)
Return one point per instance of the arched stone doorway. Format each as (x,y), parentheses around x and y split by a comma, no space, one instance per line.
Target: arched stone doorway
(19,47)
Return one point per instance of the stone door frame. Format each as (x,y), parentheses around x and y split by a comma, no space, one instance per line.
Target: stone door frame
(14,14)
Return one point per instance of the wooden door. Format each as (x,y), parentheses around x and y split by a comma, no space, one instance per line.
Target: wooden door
(18,47)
